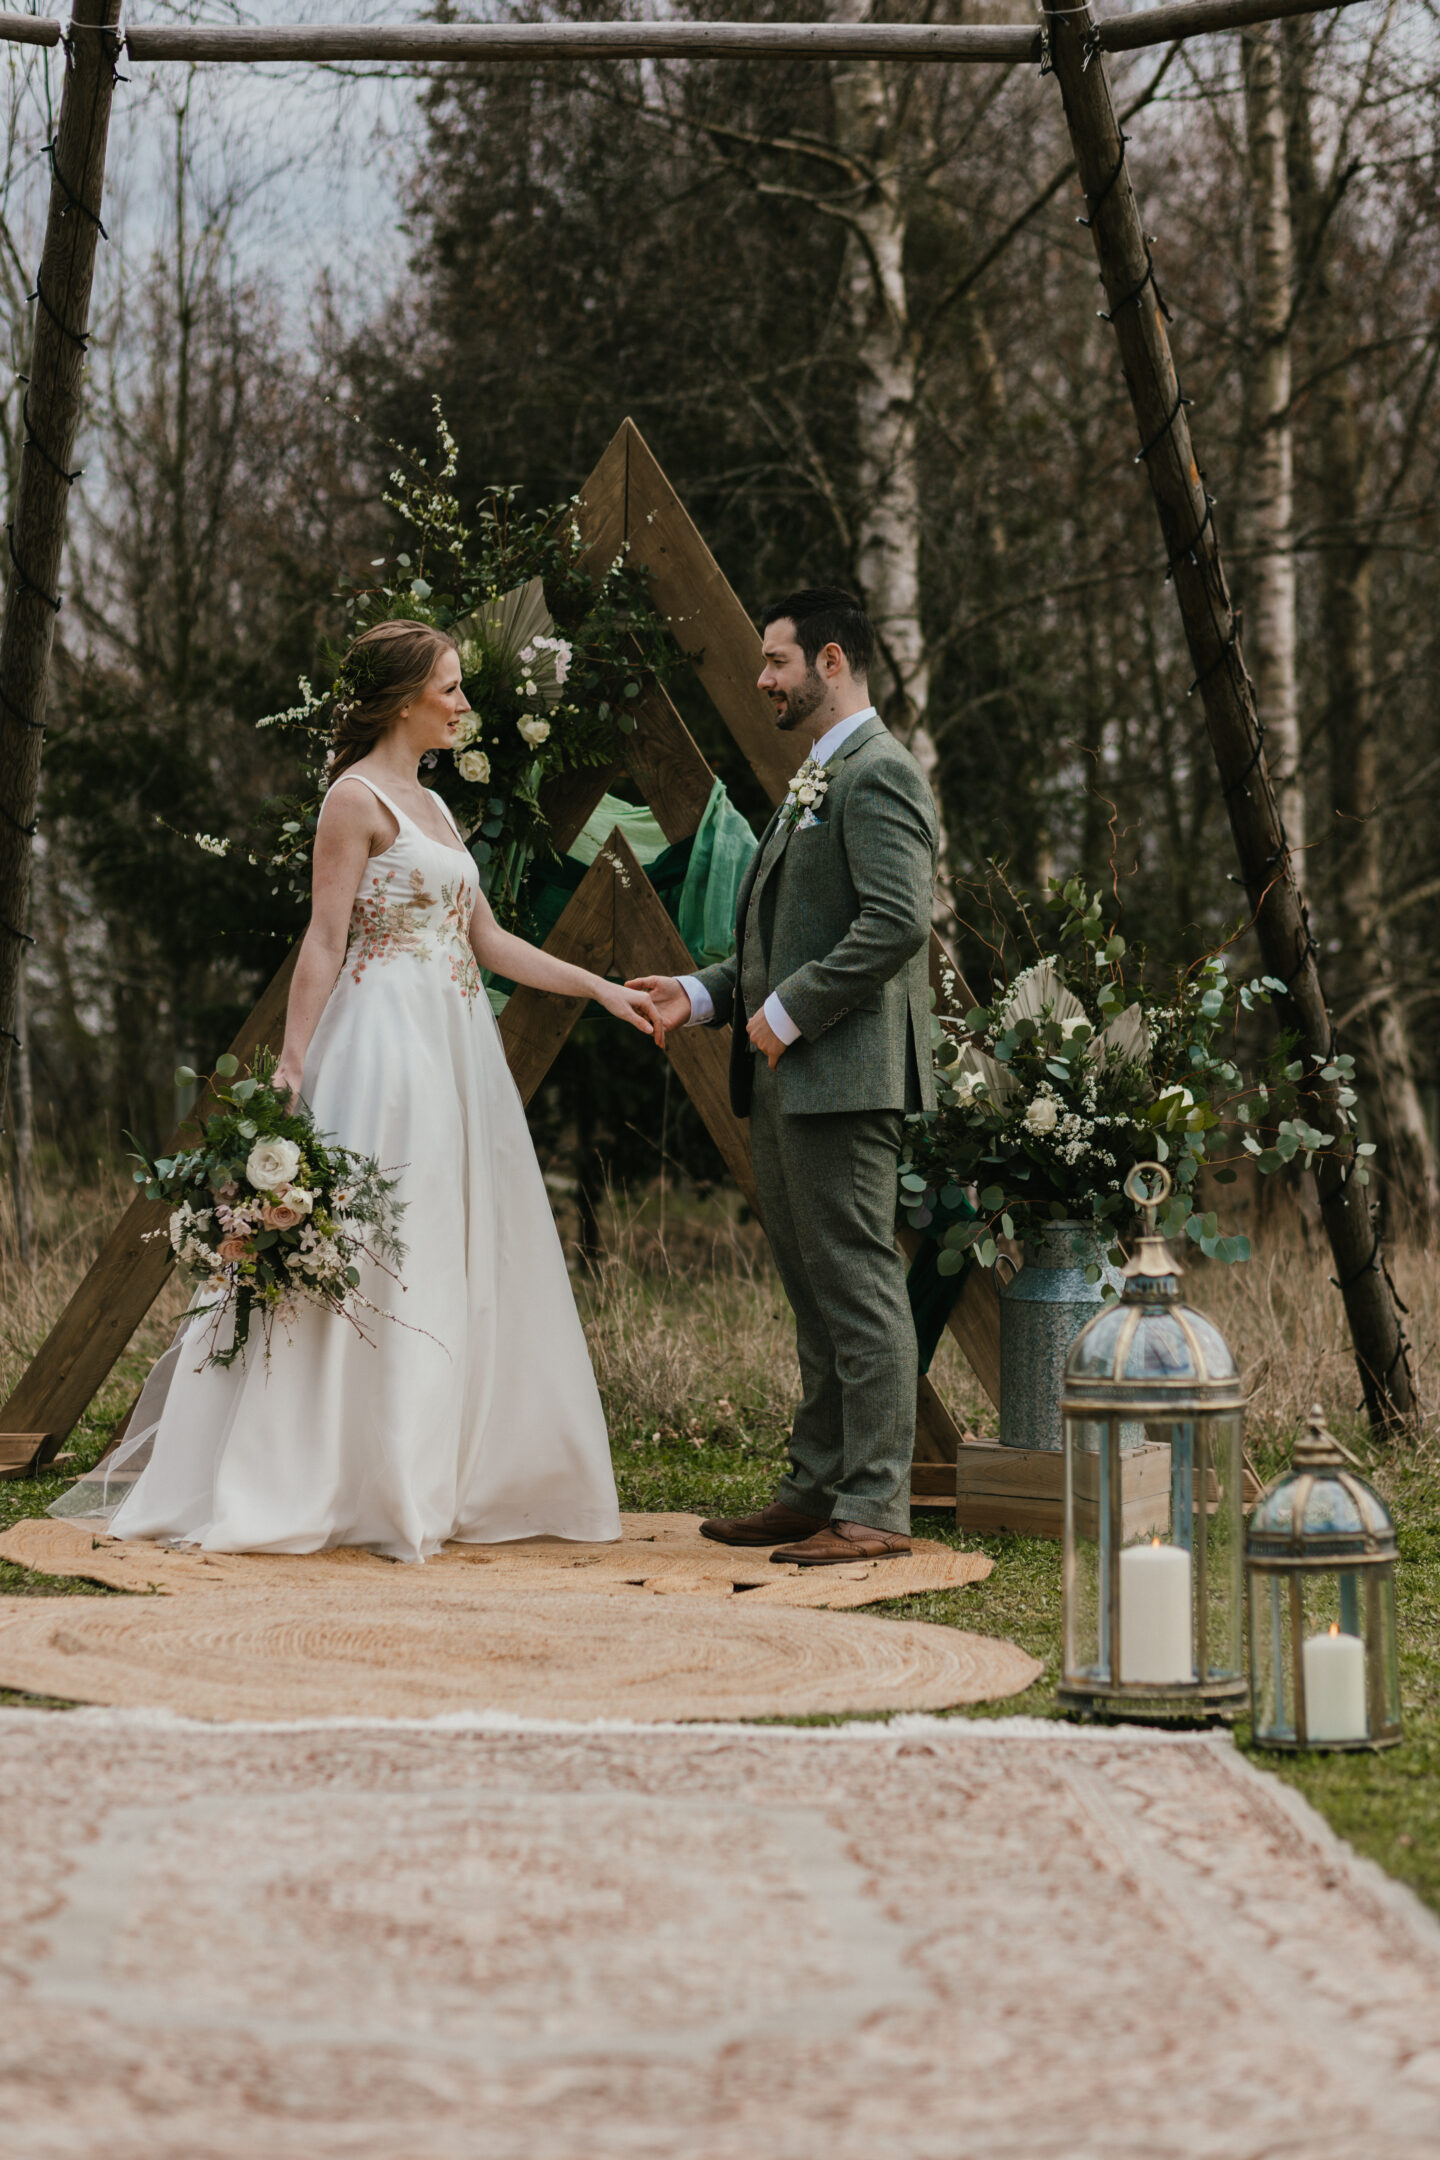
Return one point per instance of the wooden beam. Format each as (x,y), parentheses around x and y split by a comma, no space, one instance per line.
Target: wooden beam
(630,499)
(428,43)
(668,765)
(534,1024)
(1212,631)
(55,383)
(585,41)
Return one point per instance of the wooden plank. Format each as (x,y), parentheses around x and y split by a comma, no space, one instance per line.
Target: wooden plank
(668,765)
(535,1024)
(1023,1490)
(629,498)
(938,1439)
(648,943)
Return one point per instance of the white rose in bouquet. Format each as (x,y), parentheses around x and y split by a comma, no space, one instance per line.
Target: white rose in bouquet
(473,765)
(1041,1115)
(272,1164)
(296,1197)
(535,732)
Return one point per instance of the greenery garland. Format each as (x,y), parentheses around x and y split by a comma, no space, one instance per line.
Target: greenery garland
(560,700)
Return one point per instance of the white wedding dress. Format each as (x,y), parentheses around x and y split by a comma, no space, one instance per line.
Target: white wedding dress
(472,1412)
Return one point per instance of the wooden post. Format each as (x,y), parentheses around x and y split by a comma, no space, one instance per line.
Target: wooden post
(52,419)
(1212,630)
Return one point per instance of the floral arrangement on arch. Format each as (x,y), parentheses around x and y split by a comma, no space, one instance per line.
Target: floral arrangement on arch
(554,653)
(268,1214)
(1051,1095)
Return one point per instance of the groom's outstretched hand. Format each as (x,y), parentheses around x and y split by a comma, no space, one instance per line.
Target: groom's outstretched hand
(669,1001)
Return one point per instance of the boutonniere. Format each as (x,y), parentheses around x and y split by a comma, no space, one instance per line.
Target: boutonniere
(807,792)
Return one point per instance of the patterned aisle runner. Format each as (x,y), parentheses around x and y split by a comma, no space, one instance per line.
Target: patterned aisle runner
(923,1941)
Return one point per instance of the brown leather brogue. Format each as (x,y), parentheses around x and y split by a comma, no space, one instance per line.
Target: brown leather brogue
(843,1541)
(767,1528)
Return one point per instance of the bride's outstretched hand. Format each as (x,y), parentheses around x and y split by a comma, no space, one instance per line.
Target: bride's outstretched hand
(636,1007)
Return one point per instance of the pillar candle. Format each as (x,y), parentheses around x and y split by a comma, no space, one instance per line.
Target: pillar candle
(1335,1687)
(1156,1644)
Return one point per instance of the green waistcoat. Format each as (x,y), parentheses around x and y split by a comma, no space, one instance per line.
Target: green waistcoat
(835,919)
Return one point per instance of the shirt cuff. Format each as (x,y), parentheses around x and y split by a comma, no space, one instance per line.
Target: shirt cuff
(702,1005)
(779,1020)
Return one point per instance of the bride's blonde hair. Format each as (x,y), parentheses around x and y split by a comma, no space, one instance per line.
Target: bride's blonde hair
(383,671)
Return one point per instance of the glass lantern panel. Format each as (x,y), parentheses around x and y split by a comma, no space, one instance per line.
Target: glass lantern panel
(1159,1350)
(1219,1544)
(1335,1618)
(1383,1593)
(1272,1677)
(1093,1357)
(1219,1363)
(1087,1514)
(1331,1510)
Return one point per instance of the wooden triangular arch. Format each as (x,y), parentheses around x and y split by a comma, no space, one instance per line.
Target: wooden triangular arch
(615,919)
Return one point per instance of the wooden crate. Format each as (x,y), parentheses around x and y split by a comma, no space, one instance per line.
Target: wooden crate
(18,1451)
(1023,1489)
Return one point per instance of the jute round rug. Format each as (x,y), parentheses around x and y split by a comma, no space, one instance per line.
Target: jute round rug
(545,1629)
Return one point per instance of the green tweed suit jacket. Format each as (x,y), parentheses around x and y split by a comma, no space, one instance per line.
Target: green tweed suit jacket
(843,913)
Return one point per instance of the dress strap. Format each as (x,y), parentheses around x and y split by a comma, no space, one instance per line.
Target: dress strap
(436,796)
(398,814)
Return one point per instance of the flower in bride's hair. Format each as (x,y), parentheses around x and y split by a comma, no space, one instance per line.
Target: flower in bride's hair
(535,732)
(473,765)
(272,1164)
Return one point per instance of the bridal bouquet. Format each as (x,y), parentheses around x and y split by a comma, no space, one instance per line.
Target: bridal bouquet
(267,1212)
(1051,1094)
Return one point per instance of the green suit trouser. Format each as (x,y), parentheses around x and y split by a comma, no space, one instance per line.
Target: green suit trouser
(827,1193)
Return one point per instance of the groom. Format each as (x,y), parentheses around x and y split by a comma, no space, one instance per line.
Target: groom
(828,999)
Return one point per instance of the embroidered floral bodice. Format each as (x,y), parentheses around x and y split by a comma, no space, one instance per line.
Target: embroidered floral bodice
(415,902)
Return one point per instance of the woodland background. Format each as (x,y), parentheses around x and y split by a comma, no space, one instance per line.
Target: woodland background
(853,312)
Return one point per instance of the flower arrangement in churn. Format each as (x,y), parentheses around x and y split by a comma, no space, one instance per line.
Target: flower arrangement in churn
(1050,1095)
(268,1214)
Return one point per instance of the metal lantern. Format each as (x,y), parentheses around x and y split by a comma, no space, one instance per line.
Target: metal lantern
(1154,1625)
(1324,1669)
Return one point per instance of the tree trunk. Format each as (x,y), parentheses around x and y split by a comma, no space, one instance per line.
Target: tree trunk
(1372,1024)
(22,1161)
(887,478)
(1212,631)
(53,395)
(1270,619)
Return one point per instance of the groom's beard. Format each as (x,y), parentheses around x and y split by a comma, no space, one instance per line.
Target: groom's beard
(799,704)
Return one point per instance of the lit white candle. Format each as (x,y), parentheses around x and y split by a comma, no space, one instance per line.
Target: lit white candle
(1156,1643)
(1335,1687)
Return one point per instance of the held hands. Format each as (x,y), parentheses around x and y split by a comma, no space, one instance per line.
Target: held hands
(666,1000)
(628,1001)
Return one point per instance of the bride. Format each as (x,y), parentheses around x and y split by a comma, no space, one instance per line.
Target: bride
(472,1412)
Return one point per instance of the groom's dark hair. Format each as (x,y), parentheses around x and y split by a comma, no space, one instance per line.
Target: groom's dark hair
(825,615)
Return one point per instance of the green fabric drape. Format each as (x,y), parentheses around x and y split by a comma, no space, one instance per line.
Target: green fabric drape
(697,879)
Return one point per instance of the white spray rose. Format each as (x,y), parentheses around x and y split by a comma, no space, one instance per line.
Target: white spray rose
(296,1196)
(473,765)
(534,732)
(272,1164)
(1042,1115)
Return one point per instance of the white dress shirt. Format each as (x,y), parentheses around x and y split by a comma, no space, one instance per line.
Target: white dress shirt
(702,1005)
